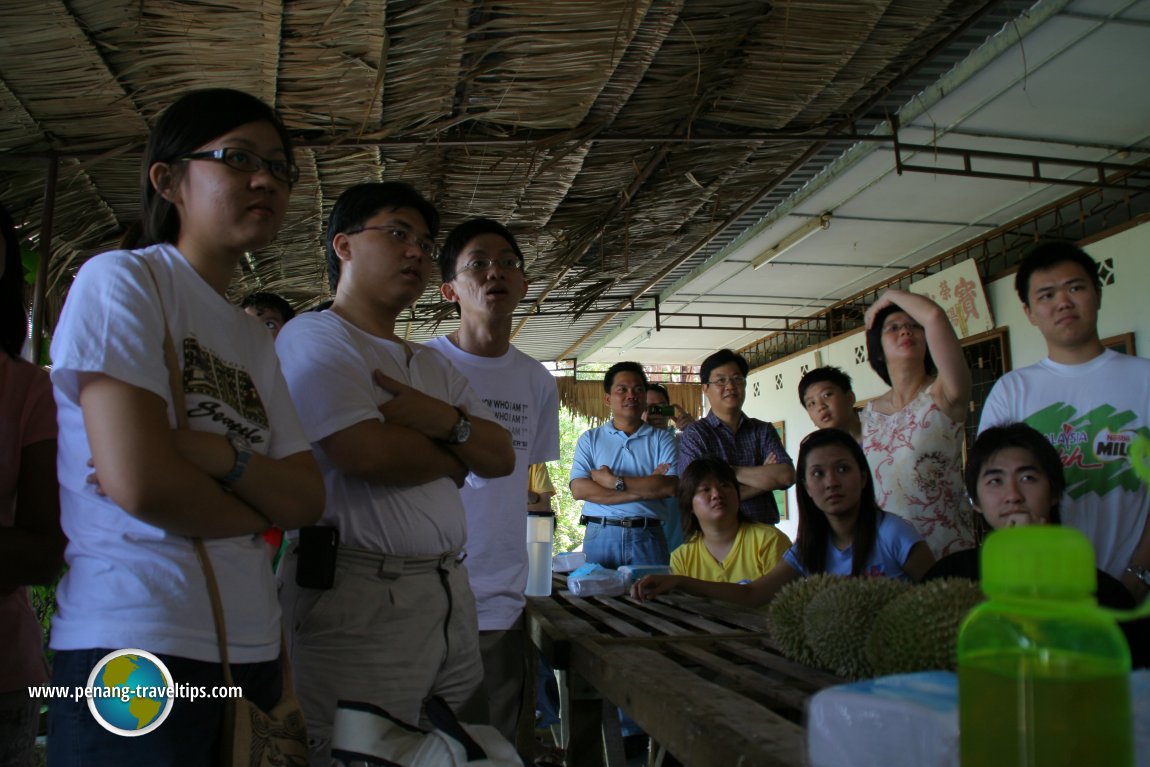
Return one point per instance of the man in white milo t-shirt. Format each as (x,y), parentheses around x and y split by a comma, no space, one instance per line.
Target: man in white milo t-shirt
(483,274)
(384,615)
(1089,401)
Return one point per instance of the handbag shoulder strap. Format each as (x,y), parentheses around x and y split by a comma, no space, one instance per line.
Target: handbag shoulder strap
(217,607)
(171,361)
(176,383)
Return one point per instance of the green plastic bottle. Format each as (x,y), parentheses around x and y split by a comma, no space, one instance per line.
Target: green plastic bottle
(1043,672)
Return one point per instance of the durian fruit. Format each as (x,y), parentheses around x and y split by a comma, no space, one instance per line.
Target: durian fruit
(838,620)
(917,631)
(786,615)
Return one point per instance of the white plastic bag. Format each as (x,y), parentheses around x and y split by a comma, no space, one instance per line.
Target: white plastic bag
(568,561)
(592,580)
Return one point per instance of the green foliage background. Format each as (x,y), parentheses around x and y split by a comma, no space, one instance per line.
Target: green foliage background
(568,534)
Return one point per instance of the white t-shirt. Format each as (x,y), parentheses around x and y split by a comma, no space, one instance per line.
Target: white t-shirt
(525,401)
(1091,413)
(328,363)
(130,584)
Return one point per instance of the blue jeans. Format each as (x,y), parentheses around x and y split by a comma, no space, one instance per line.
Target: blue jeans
(190,734)
(613,546)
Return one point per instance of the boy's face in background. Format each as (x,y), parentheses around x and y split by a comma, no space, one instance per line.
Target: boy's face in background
(829,406)
(272,319)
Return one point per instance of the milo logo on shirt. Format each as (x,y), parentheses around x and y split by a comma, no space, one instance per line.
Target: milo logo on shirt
(1094,446)
(1114,446)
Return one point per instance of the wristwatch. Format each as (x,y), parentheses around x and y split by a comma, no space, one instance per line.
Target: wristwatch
(1141,573)
(461,430)
(243,450)
(619,484)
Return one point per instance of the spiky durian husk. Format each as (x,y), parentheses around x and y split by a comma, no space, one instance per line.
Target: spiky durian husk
(917,631)
(838,620)
(786,616)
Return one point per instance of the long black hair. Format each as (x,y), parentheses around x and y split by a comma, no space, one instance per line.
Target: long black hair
(193,120)
(814,532)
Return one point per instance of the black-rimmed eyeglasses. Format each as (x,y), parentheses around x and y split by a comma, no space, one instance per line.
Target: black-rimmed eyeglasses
(249,162)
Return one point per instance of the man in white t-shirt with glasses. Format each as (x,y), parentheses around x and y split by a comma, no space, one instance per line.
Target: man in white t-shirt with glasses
(482,269)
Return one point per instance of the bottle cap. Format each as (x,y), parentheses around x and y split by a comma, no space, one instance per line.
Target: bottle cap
(1040,561)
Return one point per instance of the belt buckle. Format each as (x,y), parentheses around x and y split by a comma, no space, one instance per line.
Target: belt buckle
(630,522)
(390,567)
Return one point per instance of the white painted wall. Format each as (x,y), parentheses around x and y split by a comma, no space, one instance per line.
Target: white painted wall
(1124,309)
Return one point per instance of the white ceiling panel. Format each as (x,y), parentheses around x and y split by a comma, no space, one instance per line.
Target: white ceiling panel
(1065,98)
(1076,87)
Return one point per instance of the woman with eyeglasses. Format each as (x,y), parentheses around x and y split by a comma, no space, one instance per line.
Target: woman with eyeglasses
(913,433)
(842,531)
(135,489)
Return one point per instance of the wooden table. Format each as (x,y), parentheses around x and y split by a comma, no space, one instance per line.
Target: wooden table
(702,678)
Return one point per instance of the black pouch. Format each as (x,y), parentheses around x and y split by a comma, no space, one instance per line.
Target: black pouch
(315,565)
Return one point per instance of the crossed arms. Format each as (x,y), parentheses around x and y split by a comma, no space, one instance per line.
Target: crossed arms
(600,488)
(409,446)
(169,477)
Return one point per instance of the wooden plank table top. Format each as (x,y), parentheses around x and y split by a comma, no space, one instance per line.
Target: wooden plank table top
(702,678)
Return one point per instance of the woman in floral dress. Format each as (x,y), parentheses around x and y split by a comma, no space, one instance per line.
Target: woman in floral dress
(913,433)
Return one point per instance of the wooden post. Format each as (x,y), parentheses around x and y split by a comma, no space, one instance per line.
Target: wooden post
(41,286)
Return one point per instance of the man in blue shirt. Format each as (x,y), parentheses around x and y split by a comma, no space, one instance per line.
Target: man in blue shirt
(752,447)
(622,471)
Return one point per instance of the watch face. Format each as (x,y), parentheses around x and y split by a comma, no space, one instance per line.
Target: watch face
(239,441)
(461,431)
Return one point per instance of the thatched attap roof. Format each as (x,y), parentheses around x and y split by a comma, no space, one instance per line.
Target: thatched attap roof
(616,139)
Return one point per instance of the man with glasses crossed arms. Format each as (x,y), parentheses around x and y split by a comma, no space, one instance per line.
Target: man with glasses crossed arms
(752,447)
(389,619)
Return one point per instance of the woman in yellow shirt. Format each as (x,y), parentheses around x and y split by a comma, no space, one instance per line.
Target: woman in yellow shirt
(720,544)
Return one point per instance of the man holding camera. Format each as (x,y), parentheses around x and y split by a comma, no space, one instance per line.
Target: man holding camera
(752,447)
(664,416)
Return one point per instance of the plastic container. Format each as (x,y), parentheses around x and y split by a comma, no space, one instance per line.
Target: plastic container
(539,527)
(594,580)
(568,561)
(1043,672)
(911,720)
